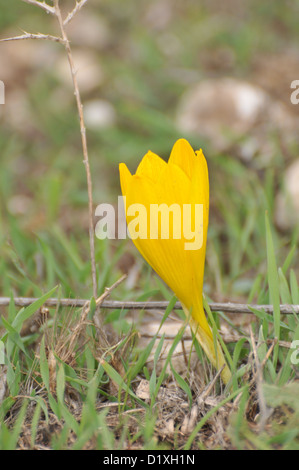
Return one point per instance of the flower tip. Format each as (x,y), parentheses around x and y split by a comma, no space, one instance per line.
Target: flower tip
(125,175)
(150,166)
(123,169)
(182,140)
(183,145)
(183,155)
(199,152)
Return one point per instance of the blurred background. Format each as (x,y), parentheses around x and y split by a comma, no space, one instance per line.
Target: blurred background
(216,73)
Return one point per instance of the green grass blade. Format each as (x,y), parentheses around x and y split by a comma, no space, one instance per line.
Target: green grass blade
(44,367)
(294,287)
(15,434)
(60,384)
(273,283)
(27,312)
(284,290)
(14,336)
(182,384)
(117,378)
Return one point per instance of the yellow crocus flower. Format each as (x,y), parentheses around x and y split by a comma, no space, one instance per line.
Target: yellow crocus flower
(167,212)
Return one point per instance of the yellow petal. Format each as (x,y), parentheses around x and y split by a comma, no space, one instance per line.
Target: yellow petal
(183,155)
(200,180)
(199,194)
(151,166)
(215,355)
(125,177)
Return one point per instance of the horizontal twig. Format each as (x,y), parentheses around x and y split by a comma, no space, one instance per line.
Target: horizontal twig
(151,305)
(45,37)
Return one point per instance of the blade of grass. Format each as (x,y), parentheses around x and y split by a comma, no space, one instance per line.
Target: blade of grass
(289,258)
(236,356)
(44,367)
(27,312)
(153,379)
(34,423)
(14,436)
(117,378)
(60,384)
(168,310)
(284,290)
(168,359)
(273,283)
(182,384)
(14,336)
(137,367)
(294,287)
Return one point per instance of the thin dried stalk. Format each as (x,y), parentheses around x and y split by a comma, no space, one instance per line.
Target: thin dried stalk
(55,10)
(75,10)
(83,140)
(285,309)
(46,37)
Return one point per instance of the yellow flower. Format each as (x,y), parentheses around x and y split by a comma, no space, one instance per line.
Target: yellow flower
(167,211)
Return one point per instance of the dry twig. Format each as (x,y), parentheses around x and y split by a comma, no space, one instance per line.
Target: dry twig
(75,10)
(55,10)
(285,309)
(47,37)
(83,140)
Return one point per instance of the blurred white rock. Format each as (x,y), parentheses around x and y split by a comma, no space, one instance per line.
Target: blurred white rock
(21,63)
(20,58)
(99,114)
(88,70)
(287,200)
(19,204)
(228,111)
(89,30)
(159,14)
(216,106)
(17,112)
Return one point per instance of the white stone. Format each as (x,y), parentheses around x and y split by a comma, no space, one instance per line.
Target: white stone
(99,114)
